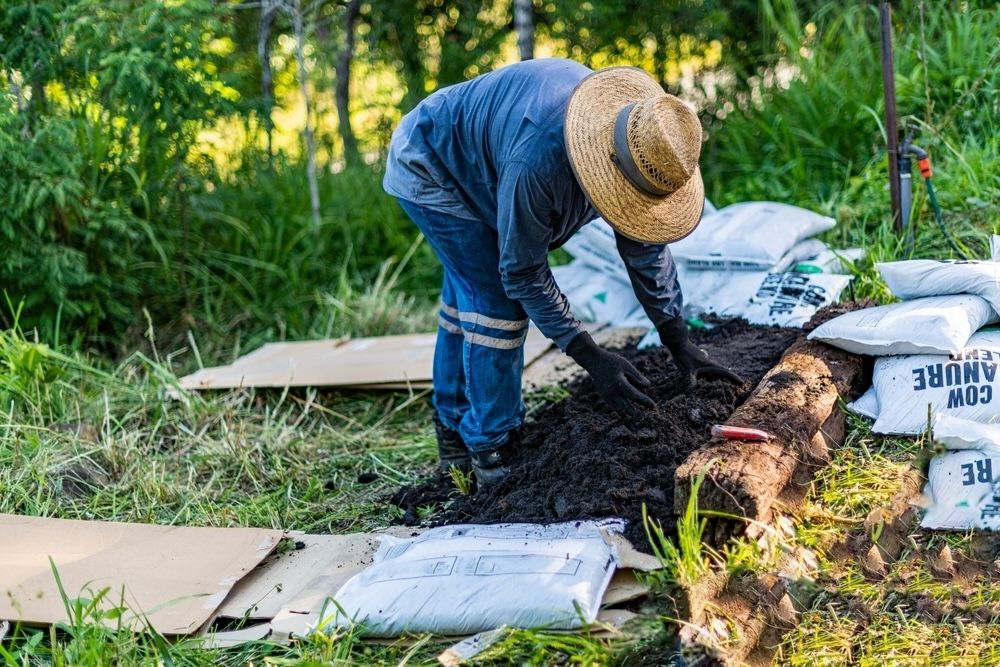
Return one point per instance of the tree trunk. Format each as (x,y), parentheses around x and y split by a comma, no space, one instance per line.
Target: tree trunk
(307,132)
(524,26)
(267,9)
(352,156)
(18,90)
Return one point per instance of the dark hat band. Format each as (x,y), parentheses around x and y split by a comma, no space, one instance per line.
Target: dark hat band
(622,157)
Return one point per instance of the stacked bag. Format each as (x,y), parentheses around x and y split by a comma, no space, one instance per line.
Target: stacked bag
(756,260)
(936,362)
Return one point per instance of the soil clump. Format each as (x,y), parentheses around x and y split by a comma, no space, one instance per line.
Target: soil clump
(577,459)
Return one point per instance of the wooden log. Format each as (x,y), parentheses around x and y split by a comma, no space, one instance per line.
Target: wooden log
(796,402)
(733,619)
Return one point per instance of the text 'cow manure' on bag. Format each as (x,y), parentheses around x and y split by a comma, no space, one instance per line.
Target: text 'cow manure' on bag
(964,385)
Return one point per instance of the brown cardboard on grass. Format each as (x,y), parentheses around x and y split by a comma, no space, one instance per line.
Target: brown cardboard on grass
(302,579)
(386,362)
(173,576)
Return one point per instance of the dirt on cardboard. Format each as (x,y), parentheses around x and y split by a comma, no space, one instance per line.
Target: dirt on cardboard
(577,459)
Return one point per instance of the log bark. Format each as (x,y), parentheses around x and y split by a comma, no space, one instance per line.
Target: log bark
(796,402)
(756,611)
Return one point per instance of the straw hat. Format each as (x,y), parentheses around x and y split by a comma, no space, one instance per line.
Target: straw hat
(634,150)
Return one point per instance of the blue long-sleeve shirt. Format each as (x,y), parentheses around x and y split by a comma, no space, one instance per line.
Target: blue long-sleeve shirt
(491,150)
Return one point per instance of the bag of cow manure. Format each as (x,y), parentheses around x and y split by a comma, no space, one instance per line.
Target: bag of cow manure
(780,299)
(955,433)
(911,279)
(595,245)
(459,580)
(791,299)
(930,325)
(866,405)
(960,483)
(963,385)
(749,236)
(595,296)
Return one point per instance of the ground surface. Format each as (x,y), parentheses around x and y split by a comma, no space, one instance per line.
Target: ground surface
(577,459)
(82,442)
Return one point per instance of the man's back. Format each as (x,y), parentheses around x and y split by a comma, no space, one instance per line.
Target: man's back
(447,153)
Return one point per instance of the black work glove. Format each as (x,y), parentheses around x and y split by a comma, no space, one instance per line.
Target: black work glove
(692,362)
(616,380)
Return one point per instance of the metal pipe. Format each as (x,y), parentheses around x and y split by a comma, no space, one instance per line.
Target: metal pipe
(891,119)
(905,166)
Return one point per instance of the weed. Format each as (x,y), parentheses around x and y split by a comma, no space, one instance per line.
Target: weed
(684,561)
(462,479)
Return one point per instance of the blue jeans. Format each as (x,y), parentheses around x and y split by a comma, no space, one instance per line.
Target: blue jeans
(479,357)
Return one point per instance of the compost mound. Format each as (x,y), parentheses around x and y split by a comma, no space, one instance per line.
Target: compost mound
(577,459)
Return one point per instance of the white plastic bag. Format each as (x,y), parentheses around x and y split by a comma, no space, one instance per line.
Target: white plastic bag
(866,405)
(965,385)
(595,246)
(781,299)
(749,236)
(722,293)
(595,296)
(458,580)
(959,483)
(962,483)
(915,278)
(800,252)
(955,433)
(791,299)
(930,325)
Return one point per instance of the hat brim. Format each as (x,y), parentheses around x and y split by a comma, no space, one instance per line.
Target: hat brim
(589,135)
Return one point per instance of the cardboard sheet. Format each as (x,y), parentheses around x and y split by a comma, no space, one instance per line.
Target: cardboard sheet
(300,580)
(175,576)
(389,362)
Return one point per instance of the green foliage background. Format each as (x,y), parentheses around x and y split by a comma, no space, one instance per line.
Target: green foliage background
(148,214)
(139,186)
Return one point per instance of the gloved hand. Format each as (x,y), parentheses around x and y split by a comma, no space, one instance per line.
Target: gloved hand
(617,381)
(692,362)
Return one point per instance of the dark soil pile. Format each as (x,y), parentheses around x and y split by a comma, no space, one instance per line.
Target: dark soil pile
(578,460)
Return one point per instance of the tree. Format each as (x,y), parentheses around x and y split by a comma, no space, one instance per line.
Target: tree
(268,9)
(295,10)
(524,27)
(435,43)
(352,156)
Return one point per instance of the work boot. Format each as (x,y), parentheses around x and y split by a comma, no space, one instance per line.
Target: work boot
(491,465)
(452,451)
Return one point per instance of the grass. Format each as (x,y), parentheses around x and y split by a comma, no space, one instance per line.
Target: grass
(818,141)
(84,436)
(102,442)
(854,618)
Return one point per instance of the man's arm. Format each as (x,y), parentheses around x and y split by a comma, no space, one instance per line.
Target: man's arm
(524,207)
(525,204)
(654,278)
